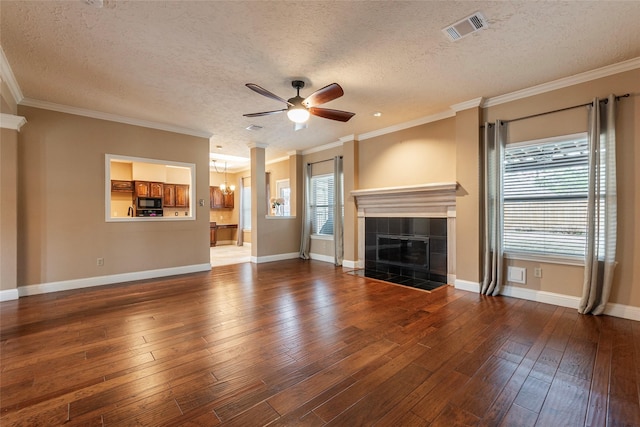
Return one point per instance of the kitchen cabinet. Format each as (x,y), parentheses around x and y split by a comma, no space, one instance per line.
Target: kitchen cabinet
(175,195)
(142,189)
(119,186)
(212,234)
(156,189)
(228,200)
(149,189)
(213,231)
(169,195)
(219,200)
(182,196)
(216,199)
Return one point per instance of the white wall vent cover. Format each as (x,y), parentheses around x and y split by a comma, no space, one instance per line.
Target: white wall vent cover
(466,26)
(517,275)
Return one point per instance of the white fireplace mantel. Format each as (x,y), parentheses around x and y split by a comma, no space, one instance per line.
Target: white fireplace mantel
(425,200)
(414,201)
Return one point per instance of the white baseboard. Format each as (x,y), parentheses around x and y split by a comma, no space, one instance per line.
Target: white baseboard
(65,285)
(8,295)
(616,310)
(541,296)
(349,264)
(466,285)
(278,257)
(323,258)
(623,311)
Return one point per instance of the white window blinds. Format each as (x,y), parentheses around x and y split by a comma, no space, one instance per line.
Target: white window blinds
(545,197)
(322,204)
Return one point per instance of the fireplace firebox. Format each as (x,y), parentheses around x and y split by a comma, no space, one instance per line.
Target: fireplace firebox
(407,251)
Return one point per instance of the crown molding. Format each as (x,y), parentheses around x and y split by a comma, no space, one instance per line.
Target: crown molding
(9,121)
(323,147)
(7,76)
(598,73)
(348,138)
(28,102)
(473,103)
(406,125)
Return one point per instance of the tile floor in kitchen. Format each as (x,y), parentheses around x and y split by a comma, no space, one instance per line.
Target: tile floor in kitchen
(229,254)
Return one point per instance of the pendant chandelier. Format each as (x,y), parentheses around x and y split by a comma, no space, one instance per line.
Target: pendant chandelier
(224,187)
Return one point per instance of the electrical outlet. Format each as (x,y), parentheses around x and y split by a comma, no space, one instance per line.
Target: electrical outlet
(100,262)
(201,202)
(537,272)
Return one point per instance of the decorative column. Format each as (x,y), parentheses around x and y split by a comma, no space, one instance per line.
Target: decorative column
(350,176)
(258,198)
(10,125)
(468,197)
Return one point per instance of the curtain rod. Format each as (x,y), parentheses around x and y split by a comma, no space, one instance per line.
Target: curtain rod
(322,161)
(626,95)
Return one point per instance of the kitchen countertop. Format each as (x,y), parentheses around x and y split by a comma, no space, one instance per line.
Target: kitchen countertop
(216,225)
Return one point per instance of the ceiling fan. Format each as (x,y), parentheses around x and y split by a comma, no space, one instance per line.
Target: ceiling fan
(298,108)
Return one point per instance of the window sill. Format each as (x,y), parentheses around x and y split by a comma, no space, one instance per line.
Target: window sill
(549,259)
(321,237)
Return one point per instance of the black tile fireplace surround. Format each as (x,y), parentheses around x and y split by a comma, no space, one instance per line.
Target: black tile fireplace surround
(406,251)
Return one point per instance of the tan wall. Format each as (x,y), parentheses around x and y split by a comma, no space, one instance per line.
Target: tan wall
(8,209)
(468,196)
(419,155)
(567,280)
(61,167)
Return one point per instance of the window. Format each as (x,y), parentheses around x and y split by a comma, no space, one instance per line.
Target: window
(283,191)
(545,185)
(321,205)
(246,207)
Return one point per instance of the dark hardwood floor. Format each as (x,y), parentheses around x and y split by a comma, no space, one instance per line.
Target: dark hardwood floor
(302,343)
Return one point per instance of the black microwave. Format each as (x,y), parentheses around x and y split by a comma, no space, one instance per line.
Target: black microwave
(148,203)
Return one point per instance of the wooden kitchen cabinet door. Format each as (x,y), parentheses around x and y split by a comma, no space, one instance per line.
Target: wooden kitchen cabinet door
(181,196)
(156,189)
(216,198)
(142,189)
(169,197)
(228,200)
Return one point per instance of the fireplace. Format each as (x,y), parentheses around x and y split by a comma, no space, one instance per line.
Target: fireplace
(407,251)
(402,251)
(406,235)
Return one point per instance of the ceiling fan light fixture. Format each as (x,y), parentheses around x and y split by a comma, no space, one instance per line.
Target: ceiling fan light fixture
(298,115)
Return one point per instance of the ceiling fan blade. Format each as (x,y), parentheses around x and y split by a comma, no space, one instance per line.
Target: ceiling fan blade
(342,116)
(264,113)
(262,91)
(326,94)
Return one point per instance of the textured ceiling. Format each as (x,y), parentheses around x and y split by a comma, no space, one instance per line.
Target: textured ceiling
(185,63)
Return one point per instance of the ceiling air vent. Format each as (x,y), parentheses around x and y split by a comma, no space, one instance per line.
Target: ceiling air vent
(466,26)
